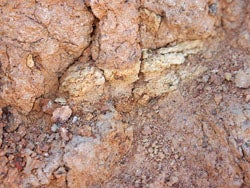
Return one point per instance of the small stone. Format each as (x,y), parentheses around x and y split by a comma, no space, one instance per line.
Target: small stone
(147,131)
(75,119)
(247,98)
(208,54)
(217,98)
(213,9)
(61,114)
(64,134)
(29,61)
(174,180)
(61,101)
(85,131)
(161,155)
(89,116)
(48,106)
(242,79)
(228,76)
(54,128)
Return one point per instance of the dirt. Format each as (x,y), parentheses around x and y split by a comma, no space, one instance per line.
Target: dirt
(125,93)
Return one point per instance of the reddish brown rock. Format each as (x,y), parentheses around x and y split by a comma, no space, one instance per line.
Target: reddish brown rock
(61,114)
(167,21)
(39,40)
(116,46)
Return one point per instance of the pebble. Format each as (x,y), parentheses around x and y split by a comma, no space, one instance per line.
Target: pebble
(242,79)
(64,133)
(213,9)
(85,131)
(54,128)
(217,98)
(247,98)
(228,76)
(75,119)
(29,61)
(61,100)
(61,114)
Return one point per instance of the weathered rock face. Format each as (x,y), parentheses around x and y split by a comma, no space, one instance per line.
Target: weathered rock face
(116,48)
(94,53)
(36,47)
(167,21)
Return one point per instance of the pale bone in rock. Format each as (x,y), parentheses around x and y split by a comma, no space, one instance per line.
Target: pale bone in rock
(83,82)
(157,72)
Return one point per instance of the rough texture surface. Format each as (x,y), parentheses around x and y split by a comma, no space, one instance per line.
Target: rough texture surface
(116,46)
(124,93)
(164,22)
(83,82)
(38,31)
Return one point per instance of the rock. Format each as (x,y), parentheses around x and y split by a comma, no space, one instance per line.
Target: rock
(83,82)
(14,119)
(85,131)
(115,47)
(62,101)
(91,160)
(54,127)
(158,63)
(217,98)
(247,99)
(158,85)
(151,20)
(163,22)
(75,119)
(30,62)
(64,134)
(48,106)
(61,114)
(228,76)
(244,40)
(242,79)
(156,68)
(37,46)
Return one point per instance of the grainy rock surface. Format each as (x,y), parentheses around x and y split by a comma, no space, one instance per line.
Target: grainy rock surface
(83,82)
(124,93)
(39,40)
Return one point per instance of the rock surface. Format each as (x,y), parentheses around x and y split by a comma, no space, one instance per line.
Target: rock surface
(83,82)
(159,92)
(39,40)
(116,48)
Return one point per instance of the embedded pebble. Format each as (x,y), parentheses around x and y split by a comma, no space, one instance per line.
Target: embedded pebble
(29,61)
(75,119)
(61,100)
(54,128)
(217,98)
(242,79)
(61,114)
(247,98)
(228,76)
